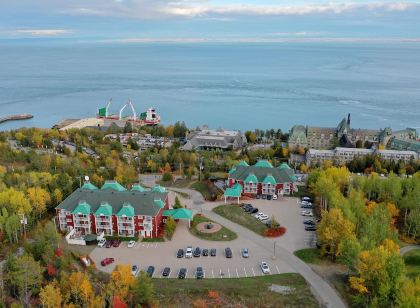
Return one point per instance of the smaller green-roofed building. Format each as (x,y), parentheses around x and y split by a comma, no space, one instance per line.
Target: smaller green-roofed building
(263,163)
(181,213)
(89,186)
(126,210)
(83,208)
(138,187)
(114,185)
(104,209)
(269,179)
(284,166)
(233,192)
(251,178)
(158,188)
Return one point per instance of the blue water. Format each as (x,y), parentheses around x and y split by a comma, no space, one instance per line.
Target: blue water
(236,86)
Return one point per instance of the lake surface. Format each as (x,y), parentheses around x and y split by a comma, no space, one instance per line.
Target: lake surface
(235,86)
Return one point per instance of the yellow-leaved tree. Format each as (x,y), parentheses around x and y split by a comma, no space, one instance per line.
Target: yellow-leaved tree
(50,296)
(121,280)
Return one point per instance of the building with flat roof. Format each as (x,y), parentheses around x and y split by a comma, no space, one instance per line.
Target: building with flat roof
(113,210)
(206,139)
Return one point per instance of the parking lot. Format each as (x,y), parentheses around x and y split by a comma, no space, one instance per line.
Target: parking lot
(163,254)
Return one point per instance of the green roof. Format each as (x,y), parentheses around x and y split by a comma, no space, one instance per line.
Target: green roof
(242,163)
(158,188)
(232,170)
(89,186)
(159,203)
(263,163)
(181,213)
(280,175)
(251,178)
(104,209)
(284,166)
(269,179)
(234,191)
(114,185)
(126,210)
(138,187)
(82,208)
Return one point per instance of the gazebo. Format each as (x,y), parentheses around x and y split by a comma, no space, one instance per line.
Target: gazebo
(180,213)
(233,192)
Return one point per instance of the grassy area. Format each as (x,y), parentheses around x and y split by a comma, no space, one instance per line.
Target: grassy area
(412,263)
(153,240)
(310,255)
(223,234)
(237,215)
(202,188)
(235,292)
(302,192)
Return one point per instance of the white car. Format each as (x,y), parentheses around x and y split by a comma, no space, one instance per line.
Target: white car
(274,197)
(189,252)
(263,217)
(307,199)
(264,267)
(102,242)
(259,214)
(135,270)
(307,213)
(131,244)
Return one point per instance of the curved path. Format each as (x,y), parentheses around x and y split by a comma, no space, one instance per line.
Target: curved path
(408,248)
(326,294)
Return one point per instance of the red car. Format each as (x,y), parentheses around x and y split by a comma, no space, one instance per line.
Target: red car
(107,261)
(116,243)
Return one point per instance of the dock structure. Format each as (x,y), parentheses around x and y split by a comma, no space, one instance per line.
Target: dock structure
(16,117)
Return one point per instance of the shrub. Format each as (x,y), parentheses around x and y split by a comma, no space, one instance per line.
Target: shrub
(275,232)
(166,177)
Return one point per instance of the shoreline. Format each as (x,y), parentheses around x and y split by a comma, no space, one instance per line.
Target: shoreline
(16,117)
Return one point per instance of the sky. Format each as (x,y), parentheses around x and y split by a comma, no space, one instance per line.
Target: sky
(218,20)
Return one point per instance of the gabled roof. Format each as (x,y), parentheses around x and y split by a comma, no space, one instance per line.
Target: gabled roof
(82,208)
(284,166)
(137,187)
(89,186)
(158,188)
(269,179)
(159,203)
(234,191)
(126,210)
(251,178)
(280,175)
(263,163)
(181,213)
(104,209)
(242,163)
(114,185)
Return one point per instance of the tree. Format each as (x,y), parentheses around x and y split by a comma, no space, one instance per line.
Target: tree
(39,198)
(170,227)
(409,293)
(27,277)
(50,296)
(128,127)
(80,288)
(359,144)
(142,290)
(250,136)
(333,231)
(121,280)
(177,204)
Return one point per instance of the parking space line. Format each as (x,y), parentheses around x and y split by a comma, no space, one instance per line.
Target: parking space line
(246,275)
(229,272)
(277,269)
(237,275)
(212,274)
(253,271)
(155,245)
(221,273)
(148,245)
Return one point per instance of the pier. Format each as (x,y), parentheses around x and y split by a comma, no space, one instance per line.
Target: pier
(16,117)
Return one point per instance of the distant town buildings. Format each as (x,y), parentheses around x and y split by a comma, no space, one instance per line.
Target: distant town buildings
(207,139)
(343,135)
(144,141)
(341,156)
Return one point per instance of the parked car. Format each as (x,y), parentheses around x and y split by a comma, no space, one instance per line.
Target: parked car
(258,196)
(199,273)
(245,253)
(189,252)
(249,209)
(309,222)
(307,213)
(307,206)
(102,243)
(135,270)
(180,253)
(116,243)
(205,252)
(107,261)
(131,244)
(166,271)
(228,252)
(150,271)
(182,273)
(264,196)
(258,214)
(269,197)
(274,197)
(263,217)
(264,267)
(197,252)
(108,244)
(307,199)
(213,252)
(254,210)
(310,228)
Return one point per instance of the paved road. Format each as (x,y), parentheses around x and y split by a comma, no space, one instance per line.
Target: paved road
(406,249)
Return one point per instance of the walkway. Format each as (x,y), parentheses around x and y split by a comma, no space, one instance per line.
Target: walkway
(408,248)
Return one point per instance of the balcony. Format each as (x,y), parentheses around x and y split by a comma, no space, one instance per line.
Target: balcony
(81,224)
(125,227)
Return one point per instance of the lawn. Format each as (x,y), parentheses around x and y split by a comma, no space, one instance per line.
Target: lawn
(237,215)
(223,234)
(412,263)
(234,292)
(310,255)
(202,188)
(152,239)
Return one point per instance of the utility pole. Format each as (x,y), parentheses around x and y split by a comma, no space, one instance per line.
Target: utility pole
(274,255)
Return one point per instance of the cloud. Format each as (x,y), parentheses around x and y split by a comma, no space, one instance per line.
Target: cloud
(41,32)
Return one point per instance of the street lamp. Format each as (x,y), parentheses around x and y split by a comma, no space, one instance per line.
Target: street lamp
(274,255)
